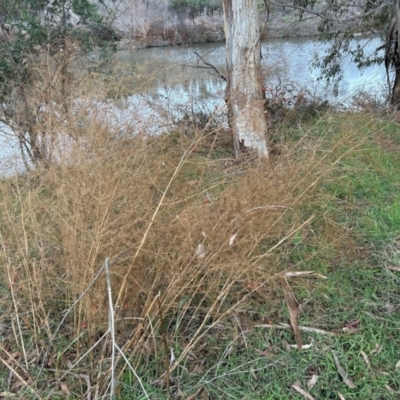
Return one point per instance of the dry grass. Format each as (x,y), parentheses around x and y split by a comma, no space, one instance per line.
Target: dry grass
(191,235)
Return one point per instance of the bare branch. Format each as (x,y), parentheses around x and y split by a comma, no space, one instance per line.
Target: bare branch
(209,66)
(325,13)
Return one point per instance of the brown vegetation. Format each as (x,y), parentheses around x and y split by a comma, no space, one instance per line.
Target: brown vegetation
(191,235)
(193,238)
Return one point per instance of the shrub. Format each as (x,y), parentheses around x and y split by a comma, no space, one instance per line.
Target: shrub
(194,7)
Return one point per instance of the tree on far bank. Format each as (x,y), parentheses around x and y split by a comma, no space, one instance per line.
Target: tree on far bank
(245,95)
(40,39)
(344,25)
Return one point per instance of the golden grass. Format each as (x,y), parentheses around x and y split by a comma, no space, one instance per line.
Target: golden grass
(151,206)
(190,234)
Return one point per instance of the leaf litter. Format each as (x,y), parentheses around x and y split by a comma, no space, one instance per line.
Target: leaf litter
(294,309)
(312,381)
(297,386)
(344,375)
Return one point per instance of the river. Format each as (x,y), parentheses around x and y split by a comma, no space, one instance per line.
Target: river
(175,87)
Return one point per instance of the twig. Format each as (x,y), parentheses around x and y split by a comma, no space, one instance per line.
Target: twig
(75,364)
(111,327)
(17,317)
(74,304)
(87,380)
(10,376)
(272,207)
(294,274)
(324,14)
(302,328)
(85,377)
(11,357)
(292,233)
(151,222)
(210,66)
(164,338)
(20,378)
(66,315)
(133,371)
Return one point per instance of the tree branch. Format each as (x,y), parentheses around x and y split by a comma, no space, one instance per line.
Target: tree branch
(209,66)
(324,14)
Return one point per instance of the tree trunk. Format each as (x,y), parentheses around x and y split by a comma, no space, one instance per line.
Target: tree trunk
(244,92)
(395,95)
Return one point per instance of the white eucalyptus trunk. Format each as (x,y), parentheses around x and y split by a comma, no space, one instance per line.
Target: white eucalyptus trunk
(244,93)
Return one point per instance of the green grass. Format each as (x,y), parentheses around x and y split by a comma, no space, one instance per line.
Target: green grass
(362,200)
(352,240)
(234,369)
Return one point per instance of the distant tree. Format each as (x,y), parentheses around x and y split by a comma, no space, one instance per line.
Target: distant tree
(35,34)
(194,7)
(342,22)
(245,95)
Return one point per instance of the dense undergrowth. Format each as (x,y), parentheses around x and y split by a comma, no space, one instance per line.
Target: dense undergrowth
(200,248)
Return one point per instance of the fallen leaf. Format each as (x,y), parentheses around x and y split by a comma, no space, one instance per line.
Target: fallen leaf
(253,285)
(17,385)
(353,324)
(286,345)
(343,373)
(391,390)
(195,394)
(397,366)
(65,389)
(303,347)
(267,352)
(294,309)
(393,268)
(253,374)
(232,239)
(200,252)
(377,349)
(296,386)
(341,397)
(298,273)
(172,357)
(7,394)
(312,381)
(197,368)
(292,274)
(204,395)
(366,359)
(379,371)
(302,328)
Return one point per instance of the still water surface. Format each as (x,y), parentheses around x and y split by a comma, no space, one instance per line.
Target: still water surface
(177,88)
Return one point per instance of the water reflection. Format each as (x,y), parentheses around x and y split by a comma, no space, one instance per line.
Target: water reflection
(178,88)
(284,60)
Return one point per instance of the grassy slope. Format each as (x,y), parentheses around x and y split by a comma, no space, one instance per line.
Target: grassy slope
(353,240)
(355,210)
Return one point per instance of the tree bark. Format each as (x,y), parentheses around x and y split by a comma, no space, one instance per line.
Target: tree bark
(395,95)
(245,95)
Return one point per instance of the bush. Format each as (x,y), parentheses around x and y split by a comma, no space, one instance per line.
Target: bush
(194,7)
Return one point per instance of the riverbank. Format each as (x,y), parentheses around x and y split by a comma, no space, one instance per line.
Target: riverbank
(202,252)
(209,28)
